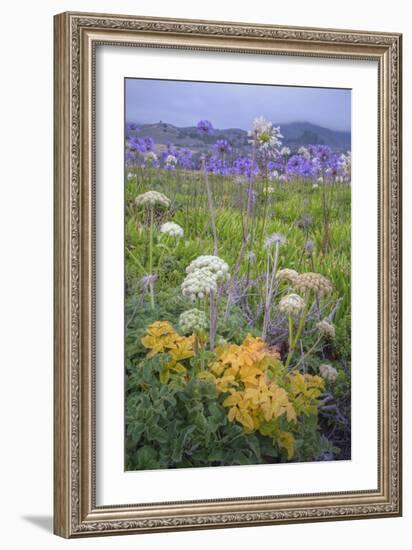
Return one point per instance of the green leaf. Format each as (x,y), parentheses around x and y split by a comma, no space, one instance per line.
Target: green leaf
(146,458)
(156,433)
(164,376)
(135,432)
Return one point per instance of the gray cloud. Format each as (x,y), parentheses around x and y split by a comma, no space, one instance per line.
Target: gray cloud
(234,105)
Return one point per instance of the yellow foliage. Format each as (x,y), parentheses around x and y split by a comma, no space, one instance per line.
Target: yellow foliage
(249,373)
(161,337)
(304,389)
(260,391)
(286,440)
(252,407)
(243,364)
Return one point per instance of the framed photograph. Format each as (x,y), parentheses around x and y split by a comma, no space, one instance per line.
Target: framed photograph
(227,274)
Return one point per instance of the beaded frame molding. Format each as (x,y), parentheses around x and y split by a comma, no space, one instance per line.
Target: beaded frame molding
(76,36)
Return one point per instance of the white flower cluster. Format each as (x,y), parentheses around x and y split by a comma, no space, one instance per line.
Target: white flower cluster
(287,275)
(303,152)
(150,157)
(171,160)
(172,229)
(306,282)
(326,329)
(328,372)
(192,321)
(292,304)
(199,284)
(152,198)
(264,134)
(346,163)
(214,264)
(203,276)
(285,151)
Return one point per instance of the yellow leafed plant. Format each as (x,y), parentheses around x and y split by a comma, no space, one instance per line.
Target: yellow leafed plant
(161,337)
(304,390)
(262,396)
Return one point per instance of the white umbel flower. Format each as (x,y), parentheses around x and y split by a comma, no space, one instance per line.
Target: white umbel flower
(172,229)
(328,372)
(151,157)
(326,329)
(303,152)
(214,264)
(288,275)
(292,304)
(192,321)
(171,160)
(264,134)
(285,151)
(346,164)
(152,198)
(313,281)
(198,284)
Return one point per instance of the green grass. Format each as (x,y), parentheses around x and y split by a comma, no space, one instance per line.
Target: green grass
(287,204)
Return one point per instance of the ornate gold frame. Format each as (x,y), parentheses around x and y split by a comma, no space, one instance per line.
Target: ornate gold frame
(76,36)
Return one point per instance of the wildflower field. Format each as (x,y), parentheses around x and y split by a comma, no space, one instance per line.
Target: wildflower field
(237,301)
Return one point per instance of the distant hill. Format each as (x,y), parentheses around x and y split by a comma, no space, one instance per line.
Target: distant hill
(295,134)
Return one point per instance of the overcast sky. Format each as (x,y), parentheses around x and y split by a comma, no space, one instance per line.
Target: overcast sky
(234,105)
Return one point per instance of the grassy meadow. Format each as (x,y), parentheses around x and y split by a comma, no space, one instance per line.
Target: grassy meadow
(255,367)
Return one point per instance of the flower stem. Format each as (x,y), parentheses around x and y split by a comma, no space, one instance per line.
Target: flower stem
(211,210)
(269,291)
(139,265)
(152,302)
(212,321)
(299,331)
(290,331)
(265,207)
(304,356)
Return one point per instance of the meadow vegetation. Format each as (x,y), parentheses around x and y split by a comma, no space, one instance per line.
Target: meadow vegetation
(237,303)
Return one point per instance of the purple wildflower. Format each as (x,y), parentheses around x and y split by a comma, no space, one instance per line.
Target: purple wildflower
(244,166)
(146,144)
(217,166)
(299,166)
(322,152)
(205,127)
(184,158)
(132,127)
(222,146)
(140,145)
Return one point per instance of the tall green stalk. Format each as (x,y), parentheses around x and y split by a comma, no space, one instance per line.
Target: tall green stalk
(295,340)
(306,355)
(211,209)
(151,285)
(266,205)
